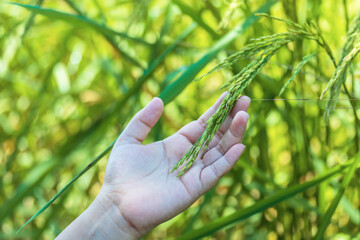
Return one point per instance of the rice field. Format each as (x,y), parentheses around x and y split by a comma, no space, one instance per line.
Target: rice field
(73,73)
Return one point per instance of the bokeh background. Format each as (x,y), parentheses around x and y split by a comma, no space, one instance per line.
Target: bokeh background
(68,89)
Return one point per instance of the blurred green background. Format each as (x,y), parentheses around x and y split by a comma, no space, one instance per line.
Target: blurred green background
(68,87)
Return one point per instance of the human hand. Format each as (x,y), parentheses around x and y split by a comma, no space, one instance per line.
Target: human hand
(139,190)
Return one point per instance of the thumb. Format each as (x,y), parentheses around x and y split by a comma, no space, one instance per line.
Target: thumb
(141,124)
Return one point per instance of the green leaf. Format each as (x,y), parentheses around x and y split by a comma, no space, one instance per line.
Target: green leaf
(33,178)
(261,205)
(57,195)
(351,210)
(330,211)
(196,17)
(79,21)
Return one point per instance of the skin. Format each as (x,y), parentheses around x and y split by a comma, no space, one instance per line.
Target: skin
(140,192)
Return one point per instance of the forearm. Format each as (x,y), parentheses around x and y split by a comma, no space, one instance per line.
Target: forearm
(102,220)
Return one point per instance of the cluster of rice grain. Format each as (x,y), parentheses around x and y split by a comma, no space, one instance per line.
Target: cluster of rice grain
(262,49)
(349,51)
(341,69)
(238,83)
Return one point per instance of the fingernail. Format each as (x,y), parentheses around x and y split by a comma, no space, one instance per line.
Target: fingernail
(245,115)
(244,97)
(152,100)
(155,98)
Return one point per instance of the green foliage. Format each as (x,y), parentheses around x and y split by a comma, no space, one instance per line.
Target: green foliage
(328,214)
(72,74)
(78,20)
(262,205)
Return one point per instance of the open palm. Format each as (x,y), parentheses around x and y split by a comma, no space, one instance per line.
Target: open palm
(138,177)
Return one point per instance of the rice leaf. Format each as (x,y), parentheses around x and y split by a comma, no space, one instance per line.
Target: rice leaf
(30,21)
(57,195)
(80,21)
(31,180)
(335,202)
(351,210)
(263,204)
(196,17)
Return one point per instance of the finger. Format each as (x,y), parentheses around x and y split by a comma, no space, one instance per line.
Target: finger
(187,136)
(141,124)
(213,172)
(193,130)
(208,113)
(232,136)
(242,104)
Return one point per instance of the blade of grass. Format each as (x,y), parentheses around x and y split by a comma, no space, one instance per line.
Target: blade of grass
(207,198)
(33,178)
(110,39)
(74,7)
(263,176)
(180,84)
(124,54)
(196,17)
(52,216)
(80,21)
(25,129)
(263,204)
(330,211)
(166,27)
(57,195)
(353,212)
(30,21)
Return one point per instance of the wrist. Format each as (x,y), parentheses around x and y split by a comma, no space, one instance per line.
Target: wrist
(101,220)
(109,221)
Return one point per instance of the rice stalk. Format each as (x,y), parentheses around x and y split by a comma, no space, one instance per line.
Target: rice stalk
(287,21)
